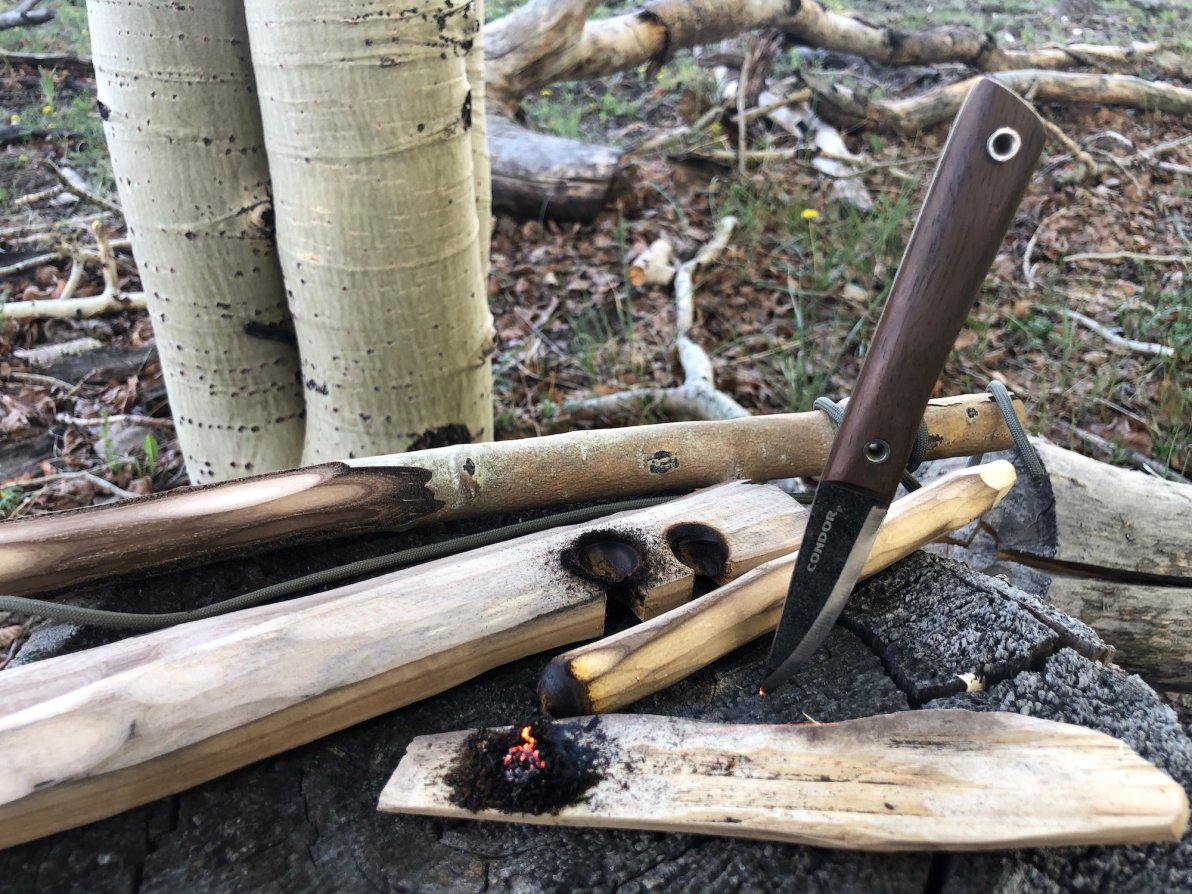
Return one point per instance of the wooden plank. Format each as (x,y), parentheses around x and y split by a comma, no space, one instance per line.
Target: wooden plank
(199,524)
(918,780)
(88,735)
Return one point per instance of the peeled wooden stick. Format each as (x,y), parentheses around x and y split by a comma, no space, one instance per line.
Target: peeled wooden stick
(428,486)
(628,666)
(933,780)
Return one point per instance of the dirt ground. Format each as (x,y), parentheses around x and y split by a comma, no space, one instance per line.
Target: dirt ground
(785,315)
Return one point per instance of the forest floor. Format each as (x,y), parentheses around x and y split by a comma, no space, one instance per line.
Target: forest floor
(786,314)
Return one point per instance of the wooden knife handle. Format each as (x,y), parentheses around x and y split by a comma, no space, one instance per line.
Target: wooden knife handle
(980,179)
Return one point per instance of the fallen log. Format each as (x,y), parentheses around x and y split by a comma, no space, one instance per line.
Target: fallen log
(1103,544)
(200,524)
(917,781)
(616,671)
(536,175)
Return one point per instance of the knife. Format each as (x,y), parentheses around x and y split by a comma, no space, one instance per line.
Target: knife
(979,181)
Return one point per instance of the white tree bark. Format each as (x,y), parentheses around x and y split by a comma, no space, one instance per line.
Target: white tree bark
(481,168)
(368,113)
(175,89)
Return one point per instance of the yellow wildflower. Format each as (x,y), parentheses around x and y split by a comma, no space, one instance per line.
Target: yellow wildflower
(46,109)
(545,91)
(809,214)
(14,119)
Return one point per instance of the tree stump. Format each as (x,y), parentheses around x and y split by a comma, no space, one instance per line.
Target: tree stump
(913,638)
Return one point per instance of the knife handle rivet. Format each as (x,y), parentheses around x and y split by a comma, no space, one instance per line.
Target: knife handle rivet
(877,451)
(1003,144)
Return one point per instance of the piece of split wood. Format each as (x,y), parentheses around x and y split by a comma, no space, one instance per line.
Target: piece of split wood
(919,781)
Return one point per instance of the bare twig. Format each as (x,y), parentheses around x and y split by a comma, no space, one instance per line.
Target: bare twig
(697,397)
(46,355)
(1127,256)
(74,308)
(116,419)
(30,263)
(1090,165)
(742,101)
(76,189)
(781,103)
(112,489)
(1162,149)
(35,198)
(662,140)
(1113,338)
(21,376)
(111,300)
(1028,271)
(24,14)
(1109,449)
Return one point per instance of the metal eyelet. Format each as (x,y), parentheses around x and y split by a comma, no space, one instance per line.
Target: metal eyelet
(1003,144)
(877,451)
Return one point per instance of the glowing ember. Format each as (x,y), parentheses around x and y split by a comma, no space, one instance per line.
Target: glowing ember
(523,762)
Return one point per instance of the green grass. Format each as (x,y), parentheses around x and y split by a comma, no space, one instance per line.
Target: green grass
(816,259)
(65,33)
(51,107)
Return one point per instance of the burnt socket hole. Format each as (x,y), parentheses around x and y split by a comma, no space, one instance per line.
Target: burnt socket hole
(700,547)
(606,559)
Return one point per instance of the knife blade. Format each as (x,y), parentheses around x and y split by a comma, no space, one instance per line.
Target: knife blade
(981,176)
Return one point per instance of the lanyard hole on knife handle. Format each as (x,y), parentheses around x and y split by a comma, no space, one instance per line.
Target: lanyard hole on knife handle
(877,451)
(1003,144)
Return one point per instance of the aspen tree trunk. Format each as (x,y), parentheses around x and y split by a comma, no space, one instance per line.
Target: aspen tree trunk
(176,92)
(481,169)
(368,114)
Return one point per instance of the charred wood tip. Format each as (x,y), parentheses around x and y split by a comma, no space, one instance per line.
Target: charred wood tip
(560,693)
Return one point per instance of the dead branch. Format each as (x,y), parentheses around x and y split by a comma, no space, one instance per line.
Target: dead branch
(1113,338)
(24,15)
(536,174)
(697,397)
(111,300)
(79,64)
(551,40)
(907,116)
(115,419)
(48,355)
(73,308)
(1028,267)
(832,157)
(73,184)
(89,477)
(1110,450)
(1127,256)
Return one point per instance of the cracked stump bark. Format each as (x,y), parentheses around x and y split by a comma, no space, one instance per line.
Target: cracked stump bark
(913,638)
